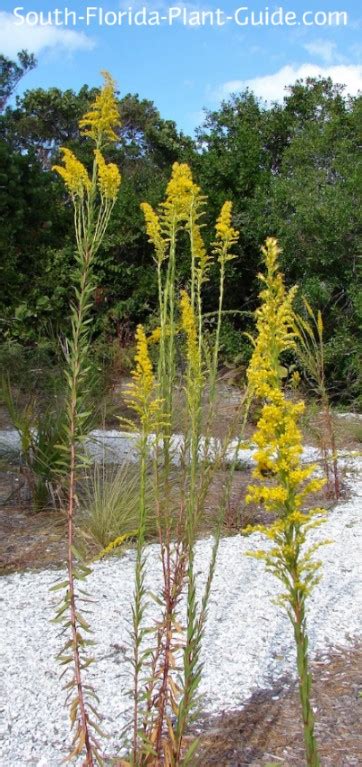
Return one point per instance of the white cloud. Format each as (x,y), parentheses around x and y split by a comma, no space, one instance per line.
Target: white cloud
(272,87)
(324,49)
(15,37)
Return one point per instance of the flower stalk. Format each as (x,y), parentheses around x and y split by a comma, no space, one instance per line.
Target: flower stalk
(279,449)
(93,199)
(166,701)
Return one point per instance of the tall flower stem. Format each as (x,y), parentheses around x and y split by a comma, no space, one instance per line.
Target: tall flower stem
(171,689)
(76,370)
(279,449)
(138,605)
(305,679)
(93,200)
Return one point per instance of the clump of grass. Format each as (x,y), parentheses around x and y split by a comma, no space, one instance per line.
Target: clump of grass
(309,348)
(356,432)
(41,432)
(109,503)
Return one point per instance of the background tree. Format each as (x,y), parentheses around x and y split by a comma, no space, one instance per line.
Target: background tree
(11,73)
(291,171)
(32,132)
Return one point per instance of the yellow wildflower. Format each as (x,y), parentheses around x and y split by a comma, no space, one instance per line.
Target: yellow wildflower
(188,322)
(73,173)
(226,235)
(143,372)
(116,543)
(155,336)
(295,379)
(103,117)
(153,229)
(109,177)
(277,436)
(200,252)
(274,322)
(141,392)
(180,193)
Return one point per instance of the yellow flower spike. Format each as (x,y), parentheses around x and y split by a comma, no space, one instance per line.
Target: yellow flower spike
(74,174)
(275,323)
(271,252)
(115,544)
(295,379)
(188,323)
(103,117)
(202,258)
(277,436)
(226,235)
(141,392)
(143,372)
(153,229)
(155,336)
(320,323)
(109,177)
(180,192)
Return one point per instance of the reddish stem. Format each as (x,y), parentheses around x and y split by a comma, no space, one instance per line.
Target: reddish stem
(72,602)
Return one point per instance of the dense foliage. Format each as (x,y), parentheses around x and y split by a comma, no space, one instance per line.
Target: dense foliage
(291,171)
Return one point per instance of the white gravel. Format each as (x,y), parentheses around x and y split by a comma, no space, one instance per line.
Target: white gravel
(248,642)
(114,446)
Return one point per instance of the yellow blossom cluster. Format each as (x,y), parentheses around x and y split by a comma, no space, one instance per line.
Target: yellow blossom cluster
(277,436)
(188,324)
(74,174)
(183,206)
(181,193)
(143,372)
(279,449)
(109,177)
(274,323)
(103,117)
(116,543)
(153,229)
(226,235)
(295,379)
(155,336)
(141,392)
(201,255)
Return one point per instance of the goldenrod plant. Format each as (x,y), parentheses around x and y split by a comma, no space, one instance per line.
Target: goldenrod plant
(309,348)
(93,197)
(279,450)
(141,396)
(166,677)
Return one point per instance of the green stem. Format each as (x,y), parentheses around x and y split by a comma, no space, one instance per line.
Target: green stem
(76,364)
(305,681)
(138,606)
(219,320)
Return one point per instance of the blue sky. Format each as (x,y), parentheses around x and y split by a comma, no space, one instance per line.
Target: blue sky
(184,67)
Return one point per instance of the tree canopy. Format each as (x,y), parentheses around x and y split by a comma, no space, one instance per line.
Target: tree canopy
(291,170)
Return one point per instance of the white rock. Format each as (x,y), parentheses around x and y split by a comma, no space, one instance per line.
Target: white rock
(248,640)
